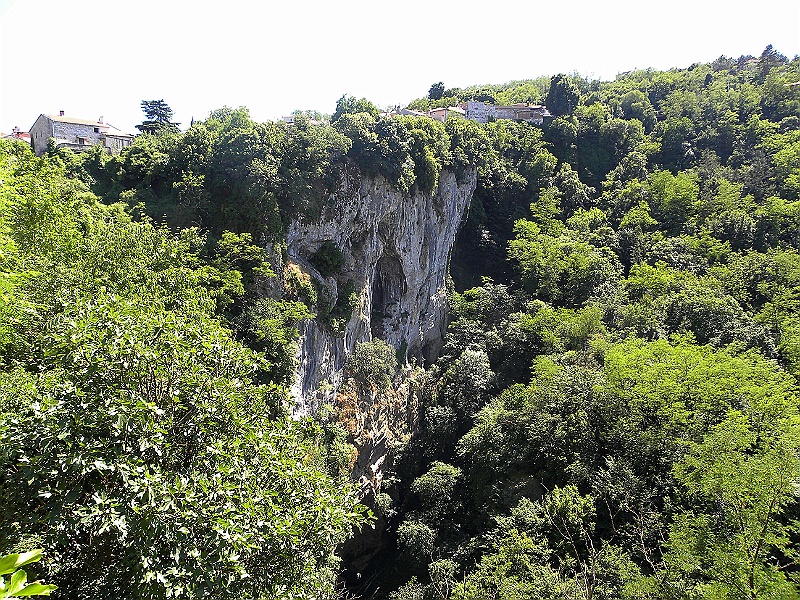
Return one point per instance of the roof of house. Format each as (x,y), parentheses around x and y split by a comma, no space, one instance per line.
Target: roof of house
(107,128)
(74,121)
(117,132)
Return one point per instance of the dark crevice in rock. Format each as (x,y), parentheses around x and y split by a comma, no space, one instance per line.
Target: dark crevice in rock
(388,287)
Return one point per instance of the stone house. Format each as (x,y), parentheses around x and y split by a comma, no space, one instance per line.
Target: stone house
(477,111)
(77,134)
(483,113)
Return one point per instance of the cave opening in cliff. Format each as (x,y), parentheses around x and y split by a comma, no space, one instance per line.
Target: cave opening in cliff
(388,287)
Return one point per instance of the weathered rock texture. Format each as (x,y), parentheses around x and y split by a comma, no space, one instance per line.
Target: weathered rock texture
(396,248)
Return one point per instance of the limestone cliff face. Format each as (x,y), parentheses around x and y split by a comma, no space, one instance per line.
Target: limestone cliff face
(396,248)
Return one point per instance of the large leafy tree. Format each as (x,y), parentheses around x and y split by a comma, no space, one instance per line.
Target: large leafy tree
(436,92)
(350,105)
(562,268)
(748,467)
(563,95)
(158,117)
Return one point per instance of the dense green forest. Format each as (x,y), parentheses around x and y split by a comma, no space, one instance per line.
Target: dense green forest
(615,412)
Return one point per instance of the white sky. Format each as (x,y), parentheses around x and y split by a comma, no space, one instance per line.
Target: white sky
(103,58)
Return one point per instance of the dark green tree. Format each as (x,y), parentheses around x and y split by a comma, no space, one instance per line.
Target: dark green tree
(563,95)
(436,92)
(635,105)
(347,105)
(158,117)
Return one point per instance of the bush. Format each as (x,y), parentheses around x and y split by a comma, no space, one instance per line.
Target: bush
(372,365)
(298,285)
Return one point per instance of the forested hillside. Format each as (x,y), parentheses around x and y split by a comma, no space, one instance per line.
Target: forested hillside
(615,412)
(143,447)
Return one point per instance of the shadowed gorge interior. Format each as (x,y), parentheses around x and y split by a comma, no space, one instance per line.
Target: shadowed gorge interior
(388,287)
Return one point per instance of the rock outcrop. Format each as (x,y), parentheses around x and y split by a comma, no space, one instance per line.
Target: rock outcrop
(396,249)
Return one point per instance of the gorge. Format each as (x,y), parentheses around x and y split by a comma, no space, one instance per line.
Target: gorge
(233,363)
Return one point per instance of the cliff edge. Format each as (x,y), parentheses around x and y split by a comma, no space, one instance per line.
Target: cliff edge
(396,248)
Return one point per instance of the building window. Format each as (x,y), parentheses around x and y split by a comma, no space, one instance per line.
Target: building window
(97,130)
(81,141)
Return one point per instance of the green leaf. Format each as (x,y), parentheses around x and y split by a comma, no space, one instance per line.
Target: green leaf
(37,589)
(17,583)
(12,562)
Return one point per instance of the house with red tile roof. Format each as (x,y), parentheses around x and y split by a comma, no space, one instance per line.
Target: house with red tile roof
(17,134)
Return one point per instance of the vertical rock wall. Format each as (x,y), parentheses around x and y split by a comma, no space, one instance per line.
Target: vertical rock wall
(396,248)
